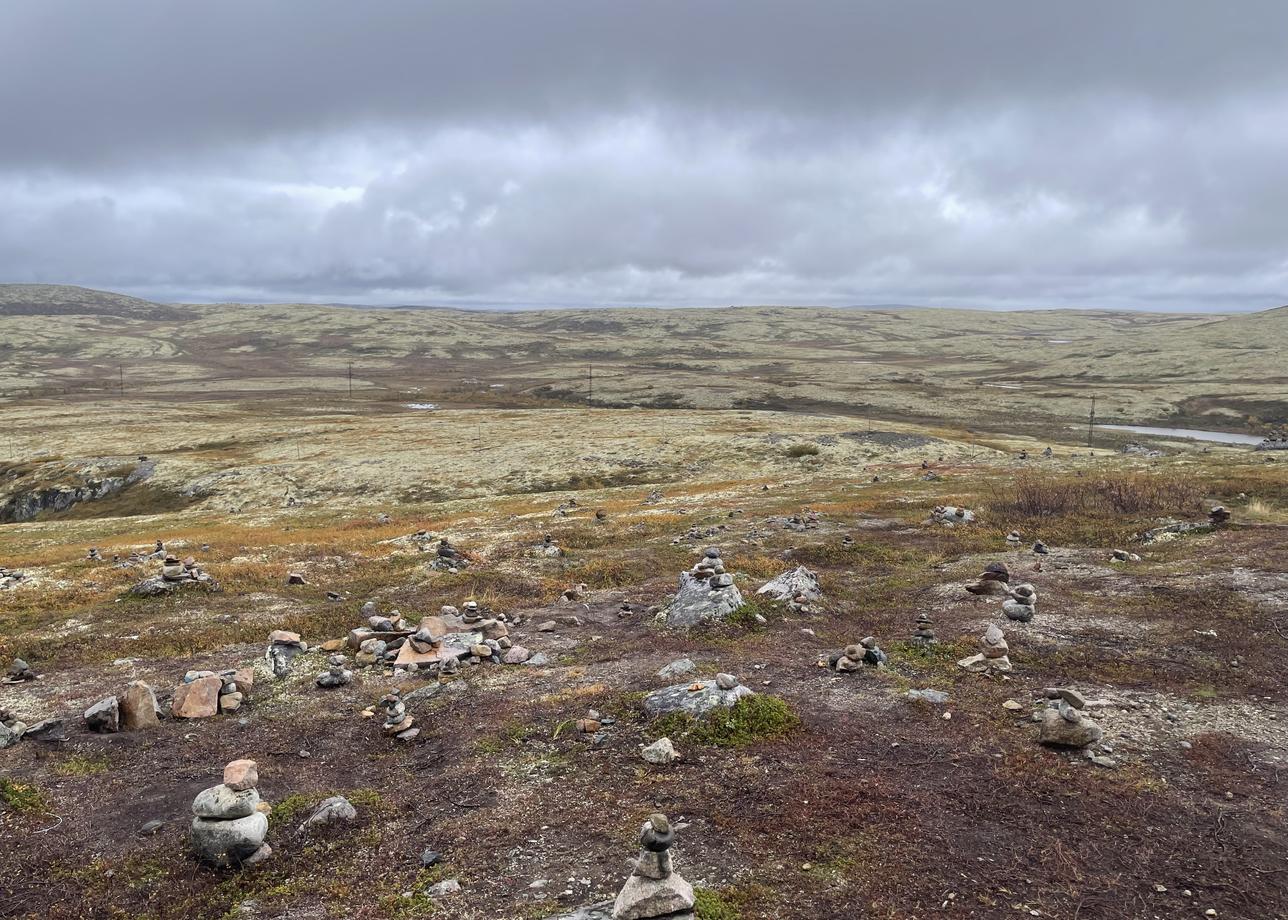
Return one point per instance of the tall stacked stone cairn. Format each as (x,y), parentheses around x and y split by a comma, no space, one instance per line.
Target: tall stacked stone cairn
(654,889)
(798,588)
(1021,603)
(207,693)
(284,647)
(176,574)
(993,655)
(447,558)
(1064,722)
(993,580)
(336,675)
(951,516)
(924,630)
(230,822)
(707,594)
(398,722)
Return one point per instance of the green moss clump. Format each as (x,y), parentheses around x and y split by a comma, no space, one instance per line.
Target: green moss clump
(802,450)
(745,616)
(750,720)
(22,797)
(711,905)
(81,765)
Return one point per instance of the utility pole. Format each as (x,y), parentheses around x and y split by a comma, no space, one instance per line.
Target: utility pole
(1091,421)
(590,384)
(121,370)
(351,380)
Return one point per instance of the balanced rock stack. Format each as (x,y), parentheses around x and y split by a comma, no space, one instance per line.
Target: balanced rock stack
(993,580)
(1219,516)
(1013,538)
(653,889)
(19,672)
(398,722)
(283,647)
(1064,723)
(175,575)
(707,593)
(94,555)
(924,631)
(951,516)
(205,693)
(1021,603)
(856,657)
(335,675)
(993,655)
(798,588)
(547,548)
(448,558)
(230,822)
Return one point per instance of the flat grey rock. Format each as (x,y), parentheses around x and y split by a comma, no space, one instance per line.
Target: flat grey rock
(696,604)
(221,802)
(679,698)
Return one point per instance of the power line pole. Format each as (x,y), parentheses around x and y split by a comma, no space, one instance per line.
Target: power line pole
(590,384)
(351,380)
(120,368)
(1091,421)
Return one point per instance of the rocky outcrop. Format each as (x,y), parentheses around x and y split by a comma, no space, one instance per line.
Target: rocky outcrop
(27,504)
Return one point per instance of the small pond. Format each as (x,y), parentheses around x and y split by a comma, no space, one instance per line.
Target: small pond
(1193,434)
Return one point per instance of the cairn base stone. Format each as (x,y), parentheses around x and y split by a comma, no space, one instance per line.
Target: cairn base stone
(643,898)
(1058,731)
(228,844)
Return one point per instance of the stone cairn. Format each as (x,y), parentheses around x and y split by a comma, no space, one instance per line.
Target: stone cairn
(707,593)
(951,516)
(438,645)
(11,728)
(1014,538)
(94,555)
(547,548)
(856,657)
(924,631)
(798,589)
(654,889)
(993,655)
(1219,516)
(283,648)
(1021,603)
(398,722)
(207,693)
(19,672)
(230,822)
(993,580)
(335,675)
(1064,723)
(447,558)
(175,574)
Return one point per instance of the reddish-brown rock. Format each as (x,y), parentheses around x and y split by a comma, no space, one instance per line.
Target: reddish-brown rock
(197,700)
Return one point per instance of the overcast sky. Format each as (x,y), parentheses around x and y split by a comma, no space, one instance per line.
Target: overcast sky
(997,153)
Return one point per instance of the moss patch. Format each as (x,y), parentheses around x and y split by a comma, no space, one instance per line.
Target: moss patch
(752,719)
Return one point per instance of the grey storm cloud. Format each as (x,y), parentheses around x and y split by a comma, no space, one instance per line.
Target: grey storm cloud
(992,154)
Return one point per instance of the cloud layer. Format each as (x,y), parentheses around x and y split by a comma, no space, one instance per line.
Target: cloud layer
(484,153)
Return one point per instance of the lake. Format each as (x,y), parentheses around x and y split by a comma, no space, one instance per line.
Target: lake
(1193,434)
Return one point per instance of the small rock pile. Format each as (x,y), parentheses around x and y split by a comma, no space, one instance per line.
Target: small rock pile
(951,516)
(798,588)
(447,558)
(855,657)
(175,575)
(1219,516)
(1021,603)
(993,580)
(19,672)
(1121,555)
(1064,723)
(206,693)
(707,593)
(134,710)
(9,578)
(11,728)
(547,548)
(230,822)
(335,675)
(993,655)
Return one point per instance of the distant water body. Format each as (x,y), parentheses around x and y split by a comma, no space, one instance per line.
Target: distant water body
(1193,434)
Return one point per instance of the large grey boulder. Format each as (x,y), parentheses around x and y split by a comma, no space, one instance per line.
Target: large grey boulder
(225,803)
(799,583)
(697,602)
(683,698)
(104,716)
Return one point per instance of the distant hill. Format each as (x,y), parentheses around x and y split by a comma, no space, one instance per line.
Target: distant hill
(69,300)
